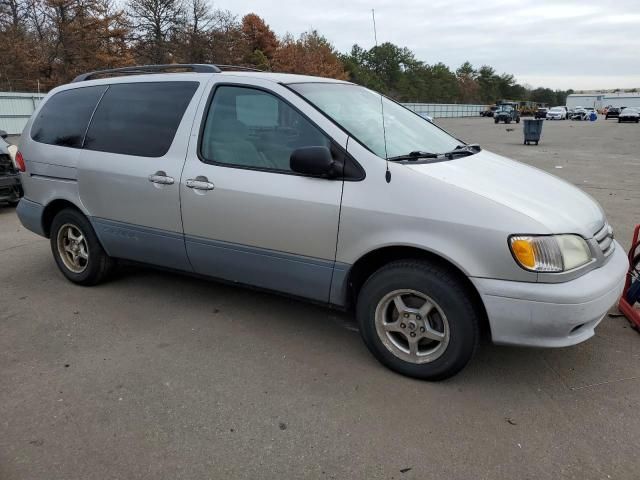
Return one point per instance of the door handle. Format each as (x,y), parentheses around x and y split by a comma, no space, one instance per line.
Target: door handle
(199,183)
(161,178)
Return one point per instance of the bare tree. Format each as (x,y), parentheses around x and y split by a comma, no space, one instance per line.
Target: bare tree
(156,23)
(12,14)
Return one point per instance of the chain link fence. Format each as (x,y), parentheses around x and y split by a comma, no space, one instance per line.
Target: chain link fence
(440,110)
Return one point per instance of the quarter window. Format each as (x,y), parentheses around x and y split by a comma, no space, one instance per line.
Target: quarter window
(251,128)
(63,119)
(139,118)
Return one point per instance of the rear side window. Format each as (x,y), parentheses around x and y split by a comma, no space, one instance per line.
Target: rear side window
(139,118)
(63,120)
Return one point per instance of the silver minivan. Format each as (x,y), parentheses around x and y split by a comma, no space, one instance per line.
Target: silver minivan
(319,189)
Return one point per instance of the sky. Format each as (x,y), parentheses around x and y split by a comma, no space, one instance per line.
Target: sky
(560,44)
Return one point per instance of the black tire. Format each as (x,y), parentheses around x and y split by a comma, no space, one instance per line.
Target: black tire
(518,120)
(444,289)
(619,121)
(496,120)
(98,265)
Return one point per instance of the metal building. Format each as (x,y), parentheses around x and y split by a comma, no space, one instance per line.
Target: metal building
(622,100)
(15,110)
(593,100)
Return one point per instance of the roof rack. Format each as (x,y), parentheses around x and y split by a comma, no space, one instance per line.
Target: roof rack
(227,68)
(145,69)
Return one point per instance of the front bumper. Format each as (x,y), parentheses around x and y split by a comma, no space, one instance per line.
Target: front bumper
(552,314)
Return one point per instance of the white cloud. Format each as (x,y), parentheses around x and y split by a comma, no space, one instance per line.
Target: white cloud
(555,43)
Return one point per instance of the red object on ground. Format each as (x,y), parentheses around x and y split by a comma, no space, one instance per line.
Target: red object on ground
(632,314)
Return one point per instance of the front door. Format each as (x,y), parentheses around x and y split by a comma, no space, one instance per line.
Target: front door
(247,217)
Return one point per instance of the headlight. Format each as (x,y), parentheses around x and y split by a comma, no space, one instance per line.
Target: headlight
(550,253)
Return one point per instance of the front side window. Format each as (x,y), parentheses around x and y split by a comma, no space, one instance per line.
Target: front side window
(247,127)
(360,112)
(139,118)
(64,118)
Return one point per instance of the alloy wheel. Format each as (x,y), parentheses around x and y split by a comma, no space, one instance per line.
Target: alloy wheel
(73,248)
(412,326)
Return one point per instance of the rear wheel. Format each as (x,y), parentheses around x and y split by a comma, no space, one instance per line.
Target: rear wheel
(496,120)
(76,249)
(518,120)
(418,320)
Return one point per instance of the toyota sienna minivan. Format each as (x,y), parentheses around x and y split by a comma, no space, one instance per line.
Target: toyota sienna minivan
(319,189)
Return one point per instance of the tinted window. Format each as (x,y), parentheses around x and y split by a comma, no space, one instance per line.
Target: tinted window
(252,128)
(139,118)
(64,118)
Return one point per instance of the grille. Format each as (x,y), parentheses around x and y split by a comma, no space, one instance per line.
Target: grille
(604,237)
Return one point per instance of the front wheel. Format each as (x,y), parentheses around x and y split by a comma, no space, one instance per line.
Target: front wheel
(518,120)
(496,121)
(418,319)
(76,249)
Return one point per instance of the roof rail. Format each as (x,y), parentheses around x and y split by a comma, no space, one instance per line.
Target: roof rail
(144,69)
(226,68)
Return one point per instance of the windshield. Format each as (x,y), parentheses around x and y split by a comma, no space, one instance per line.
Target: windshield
(557,109)
(359,111)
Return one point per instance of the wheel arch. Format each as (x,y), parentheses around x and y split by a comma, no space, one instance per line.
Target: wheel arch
(52,209)
(373,260)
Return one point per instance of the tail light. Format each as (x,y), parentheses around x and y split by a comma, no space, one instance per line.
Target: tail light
(20,162)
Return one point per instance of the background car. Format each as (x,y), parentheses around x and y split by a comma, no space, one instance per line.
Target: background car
(629,115)
(10,187)
(612,112)
(541,112)
(489,111)
(556,113)
(506,114)
(580,113)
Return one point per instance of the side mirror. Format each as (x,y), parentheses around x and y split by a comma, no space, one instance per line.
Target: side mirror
(316,161)
(3,134)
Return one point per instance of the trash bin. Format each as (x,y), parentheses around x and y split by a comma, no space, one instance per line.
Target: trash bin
(532,130)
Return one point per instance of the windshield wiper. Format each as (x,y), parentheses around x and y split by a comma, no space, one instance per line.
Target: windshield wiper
(463,150)
(469,149)
(413,156)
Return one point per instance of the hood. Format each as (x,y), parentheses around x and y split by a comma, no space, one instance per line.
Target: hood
(555,204)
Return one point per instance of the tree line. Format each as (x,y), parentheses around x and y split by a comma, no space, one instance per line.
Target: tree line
(44,43)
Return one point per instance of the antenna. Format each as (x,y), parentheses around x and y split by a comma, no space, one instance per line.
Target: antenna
(387,174)
(375,33)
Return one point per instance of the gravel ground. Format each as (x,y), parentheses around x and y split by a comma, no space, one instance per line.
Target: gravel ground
(156,375)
